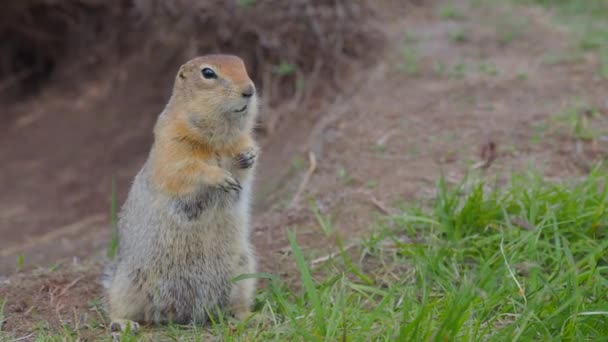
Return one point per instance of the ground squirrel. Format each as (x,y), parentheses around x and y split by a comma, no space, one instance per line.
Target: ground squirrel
(184,228)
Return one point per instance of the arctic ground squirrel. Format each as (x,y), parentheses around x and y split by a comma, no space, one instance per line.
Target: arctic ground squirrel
(183,232)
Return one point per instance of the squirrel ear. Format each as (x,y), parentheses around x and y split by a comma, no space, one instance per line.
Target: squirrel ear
(181,73)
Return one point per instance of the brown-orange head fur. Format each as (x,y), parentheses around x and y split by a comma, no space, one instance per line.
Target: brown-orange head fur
(213,102)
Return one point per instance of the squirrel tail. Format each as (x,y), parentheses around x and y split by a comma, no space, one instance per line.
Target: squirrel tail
(107,275)
(106,278)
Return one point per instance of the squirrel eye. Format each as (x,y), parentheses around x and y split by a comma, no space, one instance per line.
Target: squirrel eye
(208,73)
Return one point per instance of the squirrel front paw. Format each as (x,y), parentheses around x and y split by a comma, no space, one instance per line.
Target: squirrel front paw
(246,159)
(230,184)
(222,179)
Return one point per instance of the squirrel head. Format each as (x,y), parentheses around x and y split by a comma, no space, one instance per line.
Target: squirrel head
(214,95)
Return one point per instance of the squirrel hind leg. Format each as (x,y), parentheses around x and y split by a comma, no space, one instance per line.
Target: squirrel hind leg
(123,326)
(243,292)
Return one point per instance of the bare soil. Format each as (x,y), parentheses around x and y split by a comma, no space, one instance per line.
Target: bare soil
(479,93)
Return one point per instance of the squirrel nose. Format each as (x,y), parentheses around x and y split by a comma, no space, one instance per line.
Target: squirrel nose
(248,91)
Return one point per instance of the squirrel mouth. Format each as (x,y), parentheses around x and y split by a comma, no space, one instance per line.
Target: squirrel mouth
(241,110)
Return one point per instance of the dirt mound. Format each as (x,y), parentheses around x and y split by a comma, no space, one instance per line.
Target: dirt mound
(281,41)
(84,80)
(39,38)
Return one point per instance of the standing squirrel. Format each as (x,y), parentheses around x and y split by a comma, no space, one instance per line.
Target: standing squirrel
(183,231)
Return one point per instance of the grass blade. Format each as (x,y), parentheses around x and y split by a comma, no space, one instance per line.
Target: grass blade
(308,282)
(113,246)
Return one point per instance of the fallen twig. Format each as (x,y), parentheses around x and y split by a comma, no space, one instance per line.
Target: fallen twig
(384,138)
(380,206)
(331,255)
(312,160)
(23,338)
(70,285)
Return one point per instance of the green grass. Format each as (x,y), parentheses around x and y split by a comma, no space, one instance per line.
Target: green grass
(285,69)
(458,70)
(410,63)
(589,19)
(298,163)
(458,36)
(563,57)
(451,12)
(527,261)
(2,303)
(579,119)
(488,69)
(20,260)
(509,28)
(113,245)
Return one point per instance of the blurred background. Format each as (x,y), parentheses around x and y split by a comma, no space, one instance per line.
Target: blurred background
(364,102)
